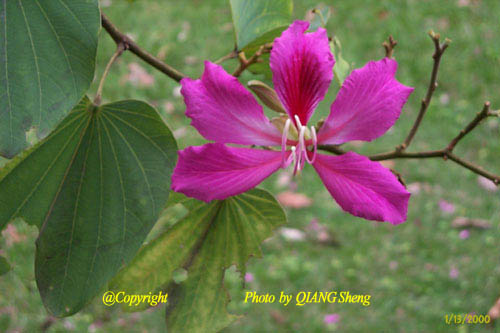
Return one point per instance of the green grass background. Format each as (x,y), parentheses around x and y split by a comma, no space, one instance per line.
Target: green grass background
(405,268)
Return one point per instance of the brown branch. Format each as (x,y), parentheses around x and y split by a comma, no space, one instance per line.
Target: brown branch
(439,50)
(402,154)
(244,63)
(479,117)
(389,46)
(231,55)
(474,168)
(121,38)
(445,153)
(332,149)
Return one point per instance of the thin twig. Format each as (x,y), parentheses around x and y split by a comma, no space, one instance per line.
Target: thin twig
(389,46)
(445,153)
(120,47)
(402,154)
(332,149)
(479,117)
(439,50)
(244,63)
(474,168)
(233,54)
(120,37)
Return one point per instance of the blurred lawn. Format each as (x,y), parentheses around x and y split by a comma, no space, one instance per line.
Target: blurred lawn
(405,268)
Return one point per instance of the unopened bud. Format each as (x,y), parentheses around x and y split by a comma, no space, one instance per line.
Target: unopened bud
(267,95)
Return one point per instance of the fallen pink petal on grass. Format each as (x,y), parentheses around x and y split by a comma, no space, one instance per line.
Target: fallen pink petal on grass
(293,235)
(248,277)
(487,184)
(138,76)
(464,234)
(454,273)
(294,200)
(332,318)
(446,207)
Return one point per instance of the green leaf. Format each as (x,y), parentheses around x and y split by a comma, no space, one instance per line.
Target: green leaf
(94,187)
(4,266)
(47,60)
(211,238)
(342,68)
(259,22)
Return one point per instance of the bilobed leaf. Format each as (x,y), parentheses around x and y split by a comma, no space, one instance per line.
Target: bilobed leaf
(47,60)
(211,238)
(4,266)
(259,22)
(94,187)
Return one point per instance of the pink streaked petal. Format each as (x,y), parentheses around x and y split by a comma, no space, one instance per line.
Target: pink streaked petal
(363,188)
(216,171)
(222,110)
(302,69)
(367,105)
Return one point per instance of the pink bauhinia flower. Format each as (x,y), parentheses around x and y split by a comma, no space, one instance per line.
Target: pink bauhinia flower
(222,110)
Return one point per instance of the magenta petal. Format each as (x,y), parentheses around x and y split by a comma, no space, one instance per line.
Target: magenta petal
(367,105)
(222,109)
(302,69)
(363,188)
(216,171)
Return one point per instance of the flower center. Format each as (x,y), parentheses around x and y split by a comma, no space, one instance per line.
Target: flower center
(299,154)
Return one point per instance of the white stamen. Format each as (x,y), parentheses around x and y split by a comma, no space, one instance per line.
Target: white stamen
(302,147)
(284,138)
(315,146)
(297,121)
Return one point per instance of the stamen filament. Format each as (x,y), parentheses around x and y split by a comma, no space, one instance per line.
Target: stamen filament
(297,121)
(284,138)
(315,146)
(302,147)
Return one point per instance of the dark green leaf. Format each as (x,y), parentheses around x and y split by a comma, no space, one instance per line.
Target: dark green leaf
(95,187)
(47,59)
(211,238)
(4,266)
(259,22)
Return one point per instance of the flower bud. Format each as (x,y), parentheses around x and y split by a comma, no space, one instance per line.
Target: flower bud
(267,95)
